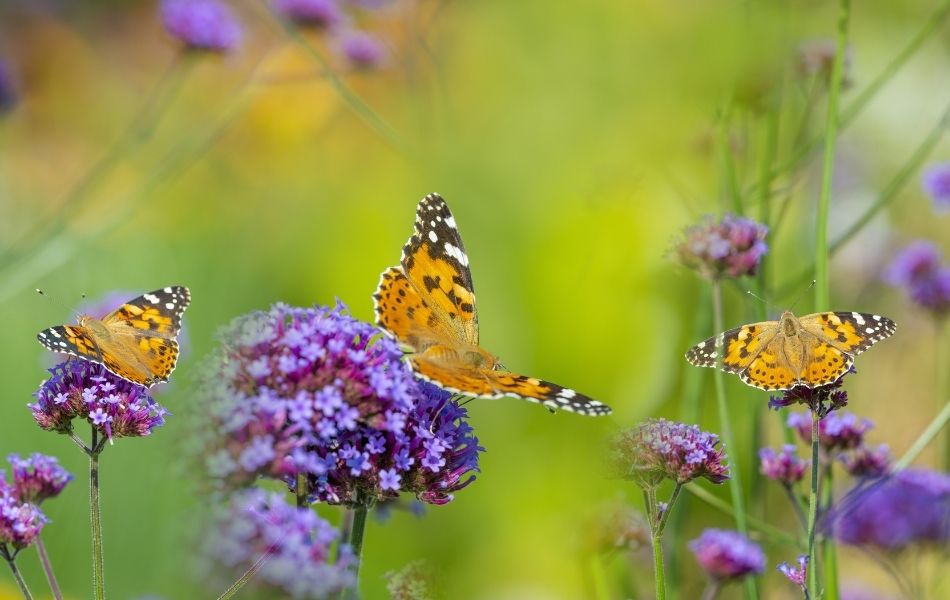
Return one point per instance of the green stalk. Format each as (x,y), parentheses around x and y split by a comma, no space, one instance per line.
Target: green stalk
(813,508)
(730,181)
(48,568)
(95,518)
(301,490)
(357,532)
(925,438)
(658,574)
(711,591)
(599,578)
(11,561)
(735,486)
(822,292)
(828,543)
(796,505)
(247,576)
(773,533)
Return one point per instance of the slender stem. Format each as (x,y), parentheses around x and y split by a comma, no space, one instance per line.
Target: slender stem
(95,519)
(658,574)
(730,182)
(301,490)
(248,575)
(828,542)
(669,508)
(774,533)
(822,292)
(813,508)
(925,438)
(711,591)
(599,578)
(79,442)
(48,568)
(796,505)
(24,589)
(356,542)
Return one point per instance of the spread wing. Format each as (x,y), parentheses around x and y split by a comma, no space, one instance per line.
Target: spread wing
(849,332)
(72,340)
(484,383)
(401,311)
(740,347)
(155,314)
(435,263)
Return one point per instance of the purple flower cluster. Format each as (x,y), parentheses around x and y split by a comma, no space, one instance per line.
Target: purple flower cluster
(661,449)
(361,49)
(823,399)
(201,24)
(85,390)
(727,555)
(865,461)
(936,184)
(799,575)
(733,247)
(20,522)
(785,466)
(297,541)
(909,507)
(8,93)
(920,270)
(837,431)
(315,391)
(38,477)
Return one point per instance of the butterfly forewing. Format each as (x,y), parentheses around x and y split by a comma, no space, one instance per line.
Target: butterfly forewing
(850,332)
(156,313)
(739,346)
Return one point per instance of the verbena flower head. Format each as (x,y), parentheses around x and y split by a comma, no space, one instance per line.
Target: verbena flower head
(936,184)
(732,247)
(85,390)
(615,526)
(38,477)
(20,522)
(797,575)
(323,14)
(909,507)
(315,391)
(919,269)
(8,91)
(727,555)
(785,466)
(363,50)
(415,581)
(823,399)
(298,541)
(201,24)
(865,461)
(836,431)
(661,449)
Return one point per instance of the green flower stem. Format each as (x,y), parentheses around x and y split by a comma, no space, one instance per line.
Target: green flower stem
(925,438)
(48,568)
(599,578)
(301,490)
(828,542)
(11,560)
(95,518)
(711,591)
(730,182)
(796,505)
(357,533)
(813,508)
(822,292)
(658,574)
(773,533)
(665,517)
(735,486)
(248,575)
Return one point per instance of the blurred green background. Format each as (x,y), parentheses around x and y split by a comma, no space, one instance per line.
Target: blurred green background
(573,142)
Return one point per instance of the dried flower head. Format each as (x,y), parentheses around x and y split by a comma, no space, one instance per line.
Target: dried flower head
(865,461)
(733,247)
(85,390)
(836,431)
(315,391)
(363,50)
(415,581)
(823,399)
(936,184)
(920,270)
(797,575)
(297,540)
(661,449)
(727,555)
(909,507)
(20,522)
(38,477)
(785,466)
(321,14)
(817,57)
(615,526)
(201,24)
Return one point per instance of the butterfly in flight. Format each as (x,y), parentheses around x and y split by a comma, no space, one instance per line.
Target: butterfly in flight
(811,351)
(137,341)
(428,304)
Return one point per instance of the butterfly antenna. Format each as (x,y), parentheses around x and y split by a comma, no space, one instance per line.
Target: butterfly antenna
(51,299)
(802,293)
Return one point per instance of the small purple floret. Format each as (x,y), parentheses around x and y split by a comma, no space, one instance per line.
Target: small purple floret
(733,247)
(661,449)
(785,466)
(20,522)
(865,461)
(837,431)
(38,477)
(797,575)
(727,555)
(202,24)
(363,50)
(936,184)
(919,269)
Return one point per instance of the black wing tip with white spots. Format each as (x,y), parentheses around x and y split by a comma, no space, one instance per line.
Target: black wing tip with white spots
(873,328)
(704,354)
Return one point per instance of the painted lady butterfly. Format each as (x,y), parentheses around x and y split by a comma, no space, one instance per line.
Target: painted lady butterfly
(136,341)
(428,303)
(811,351)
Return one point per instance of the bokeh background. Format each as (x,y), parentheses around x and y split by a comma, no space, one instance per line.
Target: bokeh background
(573,142)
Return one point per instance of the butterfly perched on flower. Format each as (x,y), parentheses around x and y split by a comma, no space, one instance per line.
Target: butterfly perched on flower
(137,341)
(428,304)
(811,351)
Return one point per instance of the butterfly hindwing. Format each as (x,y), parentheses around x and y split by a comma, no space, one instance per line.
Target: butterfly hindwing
(435,262)
(850,332)
(824,364)
(769,370)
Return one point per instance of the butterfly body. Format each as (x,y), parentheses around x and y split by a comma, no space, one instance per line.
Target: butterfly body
(137,341)
(428,303)
(810,351)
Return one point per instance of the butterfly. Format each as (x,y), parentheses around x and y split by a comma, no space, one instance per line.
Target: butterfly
(428,304)
(137,341)
(810,351)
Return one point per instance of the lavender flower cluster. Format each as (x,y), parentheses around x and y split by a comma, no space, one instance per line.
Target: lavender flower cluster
(936,184)
(85,390)
(734,247)
(661,449)
(727,555)
(35,479)
(362,49)
(785,467)
(920,270)
(317,392)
